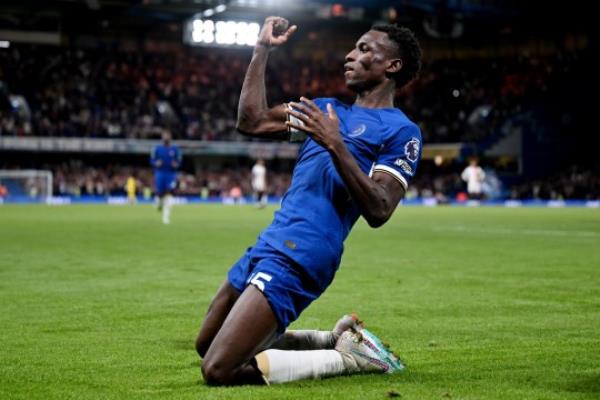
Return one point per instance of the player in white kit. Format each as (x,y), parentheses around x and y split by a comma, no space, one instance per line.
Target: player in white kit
(474,176)
(259,183)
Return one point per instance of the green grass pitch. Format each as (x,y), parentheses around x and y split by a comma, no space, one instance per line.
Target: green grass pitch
(488,303)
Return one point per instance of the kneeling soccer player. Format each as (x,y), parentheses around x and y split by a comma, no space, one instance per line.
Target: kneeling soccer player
(357,160)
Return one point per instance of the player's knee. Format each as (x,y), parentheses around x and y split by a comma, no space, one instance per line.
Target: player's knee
(216,374)
(201,346)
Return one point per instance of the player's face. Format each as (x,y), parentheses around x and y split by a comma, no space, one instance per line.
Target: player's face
(366,65)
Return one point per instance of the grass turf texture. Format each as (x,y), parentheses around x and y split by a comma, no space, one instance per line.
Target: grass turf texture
(489,303)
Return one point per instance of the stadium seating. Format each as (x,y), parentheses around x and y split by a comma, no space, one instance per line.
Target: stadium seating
(94,93)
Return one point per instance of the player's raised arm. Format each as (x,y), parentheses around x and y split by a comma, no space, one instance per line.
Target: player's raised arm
(154,160)
(254,115)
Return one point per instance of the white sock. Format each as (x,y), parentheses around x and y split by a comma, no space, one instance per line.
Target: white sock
(279,366)
(166,211)
(305,340)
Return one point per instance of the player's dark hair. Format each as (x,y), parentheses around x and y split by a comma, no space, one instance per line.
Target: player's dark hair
(409,51)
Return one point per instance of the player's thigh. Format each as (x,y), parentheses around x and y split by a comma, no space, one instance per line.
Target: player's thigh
(218,310)
(227,295)
(249,327)
(173,182)
(158,181)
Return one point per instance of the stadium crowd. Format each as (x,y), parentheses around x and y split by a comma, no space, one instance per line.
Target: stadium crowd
(194,93)
(575,183)
(75,92)
(75,179)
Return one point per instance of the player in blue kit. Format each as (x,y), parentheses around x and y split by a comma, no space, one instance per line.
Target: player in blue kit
(357,160)
(166,160)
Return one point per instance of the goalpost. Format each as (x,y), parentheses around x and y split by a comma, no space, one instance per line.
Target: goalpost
(25,186)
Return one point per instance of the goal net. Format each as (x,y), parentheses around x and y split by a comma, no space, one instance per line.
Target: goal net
(25,186)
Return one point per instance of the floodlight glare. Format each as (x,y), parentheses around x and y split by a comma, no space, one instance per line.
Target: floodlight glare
(231,29)
(197,25)
(240,36)
(197,36)
(208,37)
(252,33)
(222,33)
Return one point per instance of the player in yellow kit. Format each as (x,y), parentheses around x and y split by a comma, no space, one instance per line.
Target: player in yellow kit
(131,189)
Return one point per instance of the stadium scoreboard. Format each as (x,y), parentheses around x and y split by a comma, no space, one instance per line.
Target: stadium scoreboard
(200,31)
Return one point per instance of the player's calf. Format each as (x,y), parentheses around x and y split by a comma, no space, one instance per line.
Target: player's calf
(356,351)
(316,340)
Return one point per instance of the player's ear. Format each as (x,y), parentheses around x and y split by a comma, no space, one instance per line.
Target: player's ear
(394,66)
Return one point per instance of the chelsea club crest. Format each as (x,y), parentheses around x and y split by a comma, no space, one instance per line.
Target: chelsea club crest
(411,149)
(359,130)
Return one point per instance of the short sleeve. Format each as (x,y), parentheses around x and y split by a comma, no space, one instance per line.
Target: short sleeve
(400,154)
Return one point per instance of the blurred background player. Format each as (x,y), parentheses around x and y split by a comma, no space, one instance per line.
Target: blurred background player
(474,176)
(259,183)
(131,189)
(165,159)
(3,191)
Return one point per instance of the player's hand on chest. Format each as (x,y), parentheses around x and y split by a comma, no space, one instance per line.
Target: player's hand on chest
(362,134)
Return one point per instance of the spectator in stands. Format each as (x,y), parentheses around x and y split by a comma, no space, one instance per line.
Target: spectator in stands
(75,92)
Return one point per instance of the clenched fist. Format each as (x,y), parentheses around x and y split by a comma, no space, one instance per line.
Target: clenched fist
(275,32)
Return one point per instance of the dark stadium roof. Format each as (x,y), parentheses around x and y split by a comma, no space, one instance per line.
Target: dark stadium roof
(83,15)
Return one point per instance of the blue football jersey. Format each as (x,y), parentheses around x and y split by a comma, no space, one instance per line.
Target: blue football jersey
(317,211)
(166,155)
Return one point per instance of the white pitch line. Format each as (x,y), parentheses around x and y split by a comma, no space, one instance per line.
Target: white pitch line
(508,231)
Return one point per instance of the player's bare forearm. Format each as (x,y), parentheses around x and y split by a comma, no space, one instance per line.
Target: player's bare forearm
(377,196)
(254,115)
(253,99)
